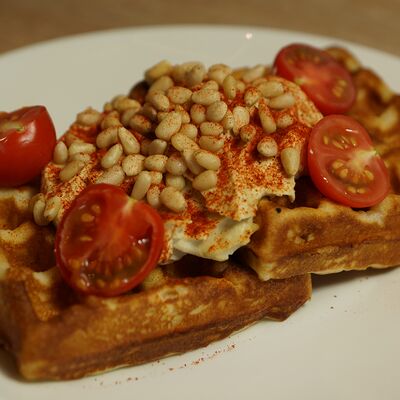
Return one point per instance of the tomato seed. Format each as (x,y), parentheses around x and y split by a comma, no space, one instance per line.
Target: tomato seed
(86,217)
(343,173)
(96,208)
(85,238)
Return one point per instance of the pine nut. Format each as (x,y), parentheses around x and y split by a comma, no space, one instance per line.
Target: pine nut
(290,158)
(140,124)
(178,74)
(207,160)
(259,81)
(158,100)
(211,143)
(216,111)
(162,84)
(89,117)
(251,96)
(198,113)
(113,176)
(253,73)
(157,71)
(156,177)
(156,162)
(157,146)
(229,86)
(240,86)
(142,185)
(182,142)
(284,121)
(70,170)
(108,107)
(124,103)
(161,115)
(81,147)
(179,94)
(153,196)
(285,100)
(211,128)
(176,181)
(185,117)
(241,117)
(112,156)
(210,85)
(247,133)
(110,120)
(144,146)
(195,75)
(117,98)
(133,164)
(107,138)
(189,130)
(266,118)
(52,208)
(194,167)
(71,138)
(204,181)
(205,97)
(169,126)
(84,157)
(173,199)
(176,165)
(60,154)
(228,121)
(149,112)
(127,115)
(38,212)
(34,199)
(271,89)
(267,147)
(218,72)
(130,144)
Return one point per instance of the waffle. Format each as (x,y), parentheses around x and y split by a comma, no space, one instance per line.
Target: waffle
(314,234)
(55,333)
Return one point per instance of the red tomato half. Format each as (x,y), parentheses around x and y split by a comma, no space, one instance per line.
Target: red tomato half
(323,79)
(344,165)
(107,243)
(27,140)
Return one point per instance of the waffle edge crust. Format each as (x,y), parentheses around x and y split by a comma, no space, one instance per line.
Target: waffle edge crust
(57,334)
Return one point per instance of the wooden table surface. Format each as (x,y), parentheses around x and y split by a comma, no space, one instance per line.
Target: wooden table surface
(375,23)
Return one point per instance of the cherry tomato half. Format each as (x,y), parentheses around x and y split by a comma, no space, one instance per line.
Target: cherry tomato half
(27,140)
(323,79)
(344,165)
(107,243)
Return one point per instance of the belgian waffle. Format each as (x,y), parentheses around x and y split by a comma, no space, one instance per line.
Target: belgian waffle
(314,234)
(56,334)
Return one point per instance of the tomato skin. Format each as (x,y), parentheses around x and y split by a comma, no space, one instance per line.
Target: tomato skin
(343,164)
(25,151)
(115,251)
(326,82)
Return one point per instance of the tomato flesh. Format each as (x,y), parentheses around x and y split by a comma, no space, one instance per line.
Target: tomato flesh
(107,243)
(328,84)
(27,140)
(344,165)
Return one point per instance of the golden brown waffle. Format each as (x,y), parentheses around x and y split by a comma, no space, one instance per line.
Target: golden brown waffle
(317,235)
(56,334)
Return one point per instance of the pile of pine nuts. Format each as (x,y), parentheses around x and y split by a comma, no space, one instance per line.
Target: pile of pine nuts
(168,134)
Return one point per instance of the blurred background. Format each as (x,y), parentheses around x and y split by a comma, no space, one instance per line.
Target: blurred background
(374,23)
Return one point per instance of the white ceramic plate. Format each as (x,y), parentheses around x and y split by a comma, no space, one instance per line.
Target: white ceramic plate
(344,344)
